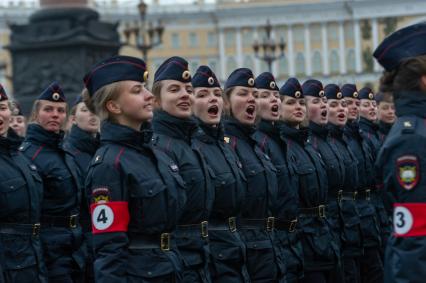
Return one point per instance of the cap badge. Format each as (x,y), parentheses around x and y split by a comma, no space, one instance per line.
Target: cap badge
(56,96)
(250,82)
(186,75)
(210,80)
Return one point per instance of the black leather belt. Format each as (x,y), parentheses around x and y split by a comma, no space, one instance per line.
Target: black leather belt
(224,225)
(60,221)
(317,211)
(267,224)
(365,194)
(202,226)
(20,229)
(342,195)
(161,241)
(289,225)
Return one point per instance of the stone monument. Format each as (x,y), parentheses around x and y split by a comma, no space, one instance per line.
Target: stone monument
(60,43)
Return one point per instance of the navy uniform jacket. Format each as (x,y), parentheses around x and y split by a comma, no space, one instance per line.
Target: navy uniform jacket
(401,166)
(21,194)
(61,200)
(351,233)
(174,136)
(227,248)
(269,140)
(127,174)
(264,262)
(319,245)
(366,181)
(384,129)
(370,133)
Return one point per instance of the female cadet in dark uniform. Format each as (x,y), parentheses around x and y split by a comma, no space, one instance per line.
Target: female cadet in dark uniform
(21,194)
(264,262)
(226,246)
(136,191)
(385,114)
(174,129)
(269,141)
(368,119)
(82,142)
(61,232)
(371,264)
(401,161)
(18,122)
(319,246)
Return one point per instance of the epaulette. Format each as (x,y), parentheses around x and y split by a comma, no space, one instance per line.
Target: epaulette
(408,125)
(24,146)
(98,157)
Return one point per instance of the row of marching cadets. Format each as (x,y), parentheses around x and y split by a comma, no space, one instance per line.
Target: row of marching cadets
(195,183)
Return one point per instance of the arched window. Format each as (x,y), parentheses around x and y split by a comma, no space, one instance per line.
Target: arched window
(283,66)
(300,64)
(334,62)
(350,60)
(248,62)
(231,65)
(317,63)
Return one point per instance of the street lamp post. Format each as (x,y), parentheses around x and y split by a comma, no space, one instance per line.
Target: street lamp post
(266,50)
(146,35)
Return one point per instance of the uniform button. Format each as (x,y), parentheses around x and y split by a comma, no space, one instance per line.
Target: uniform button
(149,273)
(150,192)
(254,246)
(223,182)
(192,179)
(220,255)
(252,171)
(12,187)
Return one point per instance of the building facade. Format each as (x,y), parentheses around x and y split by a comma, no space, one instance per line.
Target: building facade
(331,40)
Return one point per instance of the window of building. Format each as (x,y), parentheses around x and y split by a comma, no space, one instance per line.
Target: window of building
(193,65)
(316,33)
(349,31)
(175,40)
(231,65)
(247,35)
(350,60)
(230,38)
(263,66)
(212,63)
(299,34)
(193,39)
(211,39)
(300,64)
(317,63)
(283,66)
(333,31)
(334,62)
(248,62)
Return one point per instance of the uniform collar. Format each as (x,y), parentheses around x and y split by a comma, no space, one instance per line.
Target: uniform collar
(116,133)
(385,127)
(11,142)
(411,103)
(298,135)
(318,130)
(82,140)
(335,131)
(212,133)
(365,123)
(270,128)
(37,134)
(180,128)
(235,128)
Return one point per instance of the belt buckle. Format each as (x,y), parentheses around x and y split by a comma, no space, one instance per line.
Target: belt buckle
(340,195)
(321,211)
(165,242)
(292,227)
(36,229)
(368,194)
(232,223)
(73,221)
(355,195)
(270,224)
(204,229)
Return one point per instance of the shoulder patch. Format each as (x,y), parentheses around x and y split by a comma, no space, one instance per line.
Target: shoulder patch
(226,139)
(408,125)
(24,146)
(408,171)
(174,167)
(100,195)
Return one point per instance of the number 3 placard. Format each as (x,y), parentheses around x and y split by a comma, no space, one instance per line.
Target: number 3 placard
(409,220)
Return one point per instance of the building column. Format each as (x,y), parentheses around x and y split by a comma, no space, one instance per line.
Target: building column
(239,47)
(222,57)
(291,69)
(375,35)
(324,41)
(342,56)
(357,35)
(256,60)
(308,60)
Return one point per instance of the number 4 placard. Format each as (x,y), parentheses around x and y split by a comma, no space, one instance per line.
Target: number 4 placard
(110,217)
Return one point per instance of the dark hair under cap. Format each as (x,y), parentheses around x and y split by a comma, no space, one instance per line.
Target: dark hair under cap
(266,81)
(16,109)
(115,69)
(366,93)
(402,44)
(332,91)
(313,88)
(292,88)
(175,68)
(3,95)
(53,93)
(240,77)
(349,91)
(204,77)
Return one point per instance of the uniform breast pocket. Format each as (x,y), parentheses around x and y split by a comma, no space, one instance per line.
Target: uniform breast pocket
(256,181)
(59,184)
(307,178)
(195,187)
(225,191)
(148,204)
(13,195)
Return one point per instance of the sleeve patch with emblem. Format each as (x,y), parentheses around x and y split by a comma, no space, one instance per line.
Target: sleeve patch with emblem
(100,195)
(110,217)
(408,171)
